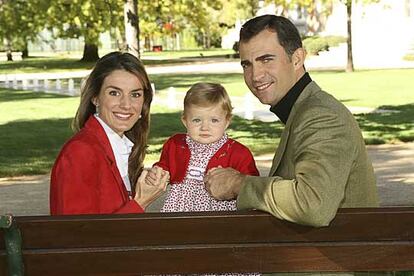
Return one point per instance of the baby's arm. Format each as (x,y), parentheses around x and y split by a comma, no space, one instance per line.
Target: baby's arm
(153,178)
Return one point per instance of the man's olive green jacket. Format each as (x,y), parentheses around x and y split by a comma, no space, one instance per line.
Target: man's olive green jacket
(321,164)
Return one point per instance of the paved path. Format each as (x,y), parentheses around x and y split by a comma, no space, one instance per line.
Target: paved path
(393,164)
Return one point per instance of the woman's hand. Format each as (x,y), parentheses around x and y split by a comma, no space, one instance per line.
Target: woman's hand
(146,192)
(153,176)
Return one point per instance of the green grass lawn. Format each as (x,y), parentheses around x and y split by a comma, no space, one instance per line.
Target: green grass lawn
(361,88)
(34,125)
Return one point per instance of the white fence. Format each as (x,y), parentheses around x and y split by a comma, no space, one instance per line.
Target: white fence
(55,83)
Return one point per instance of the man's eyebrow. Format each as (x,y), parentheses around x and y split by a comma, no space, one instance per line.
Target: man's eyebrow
(260,58)
(265,56)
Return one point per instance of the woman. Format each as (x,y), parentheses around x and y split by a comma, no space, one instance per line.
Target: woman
(98,169)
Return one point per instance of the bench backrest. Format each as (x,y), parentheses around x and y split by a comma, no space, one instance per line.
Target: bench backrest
(359,239)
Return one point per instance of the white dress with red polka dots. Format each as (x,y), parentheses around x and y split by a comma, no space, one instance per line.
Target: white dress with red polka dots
(190,195)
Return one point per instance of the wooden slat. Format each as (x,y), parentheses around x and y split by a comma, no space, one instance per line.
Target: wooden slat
(211,227)
(226,258)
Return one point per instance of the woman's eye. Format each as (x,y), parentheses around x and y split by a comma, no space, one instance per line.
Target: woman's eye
(114,93)
(136,94)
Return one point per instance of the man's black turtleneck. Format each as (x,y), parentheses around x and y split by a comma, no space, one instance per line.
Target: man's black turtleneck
(284,106)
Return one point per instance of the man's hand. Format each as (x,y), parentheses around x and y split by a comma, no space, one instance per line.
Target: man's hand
(224,184)
(146,192)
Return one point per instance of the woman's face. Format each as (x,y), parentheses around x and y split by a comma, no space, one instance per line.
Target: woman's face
(120,101)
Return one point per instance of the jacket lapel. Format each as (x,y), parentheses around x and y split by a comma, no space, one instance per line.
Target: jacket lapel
(286,131)
(95,127)
(280,150)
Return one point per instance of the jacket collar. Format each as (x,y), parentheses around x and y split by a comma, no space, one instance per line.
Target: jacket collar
(283,108)
(222,151)
(94,127)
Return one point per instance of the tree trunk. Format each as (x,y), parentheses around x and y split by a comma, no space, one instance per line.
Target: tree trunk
(25,51)
(350,61)
(208,40)
(90,53)
(147,43)
(132,27)
(9,53)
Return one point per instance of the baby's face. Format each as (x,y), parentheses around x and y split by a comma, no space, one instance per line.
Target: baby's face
(205,125)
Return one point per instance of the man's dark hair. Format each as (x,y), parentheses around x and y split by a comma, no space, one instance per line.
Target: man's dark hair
(287,33)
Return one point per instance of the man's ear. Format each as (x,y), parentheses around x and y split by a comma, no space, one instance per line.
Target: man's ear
(298,58)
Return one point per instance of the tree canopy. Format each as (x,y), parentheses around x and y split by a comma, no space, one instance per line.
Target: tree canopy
(20,22)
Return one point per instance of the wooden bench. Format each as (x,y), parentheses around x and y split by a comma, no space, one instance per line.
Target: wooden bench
(360,239)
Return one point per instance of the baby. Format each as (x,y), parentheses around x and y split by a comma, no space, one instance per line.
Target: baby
(188,157)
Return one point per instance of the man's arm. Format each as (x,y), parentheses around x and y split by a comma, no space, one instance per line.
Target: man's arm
(322,159)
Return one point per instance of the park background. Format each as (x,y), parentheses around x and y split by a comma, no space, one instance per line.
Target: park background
(49,47)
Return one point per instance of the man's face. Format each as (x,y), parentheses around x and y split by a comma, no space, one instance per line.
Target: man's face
(268,71)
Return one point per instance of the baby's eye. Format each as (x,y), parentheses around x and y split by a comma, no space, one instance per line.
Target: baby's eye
(114,93)
(215,120)
(136,94)
(196,120)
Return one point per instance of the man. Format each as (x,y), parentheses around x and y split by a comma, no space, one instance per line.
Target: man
(321,163)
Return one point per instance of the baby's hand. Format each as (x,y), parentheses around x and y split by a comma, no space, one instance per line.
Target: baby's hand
(156,175)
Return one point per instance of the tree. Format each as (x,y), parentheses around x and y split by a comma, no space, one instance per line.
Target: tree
(170,17)
(20,22)
(84,18)
(237,10)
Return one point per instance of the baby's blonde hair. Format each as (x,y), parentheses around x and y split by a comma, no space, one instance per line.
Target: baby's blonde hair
(208,94)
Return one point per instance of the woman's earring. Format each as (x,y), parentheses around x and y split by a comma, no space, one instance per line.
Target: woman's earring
(140,116)
(97,109)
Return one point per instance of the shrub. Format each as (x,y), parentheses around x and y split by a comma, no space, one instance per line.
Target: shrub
(315,44)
